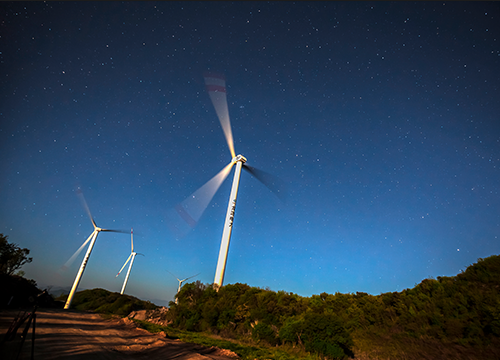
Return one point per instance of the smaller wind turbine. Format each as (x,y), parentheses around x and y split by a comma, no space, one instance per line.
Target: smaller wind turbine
(180,283)
(92,238)
(131,257)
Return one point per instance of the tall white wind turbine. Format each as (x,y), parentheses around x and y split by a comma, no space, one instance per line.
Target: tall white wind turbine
(131,258)
(216,87)
(92,238)
(191,209)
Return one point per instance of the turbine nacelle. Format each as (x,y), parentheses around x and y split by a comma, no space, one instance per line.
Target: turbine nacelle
(239,158)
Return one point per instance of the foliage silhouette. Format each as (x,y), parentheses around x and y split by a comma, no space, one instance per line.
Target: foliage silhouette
(12,257)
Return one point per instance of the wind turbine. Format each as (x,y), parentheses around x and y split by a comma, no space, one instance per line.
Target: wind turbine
(180,283)
(131,257)
(92,238)
(191,209)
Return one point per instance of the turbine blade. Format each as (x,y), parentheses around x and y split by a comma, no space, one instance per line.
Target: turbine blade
(273,183)
(216,87)
(186,214)
(191,277)
(132,238)
(181,281)
(172,274)
(116,231)
(77,252)
(123,265)
(84,203)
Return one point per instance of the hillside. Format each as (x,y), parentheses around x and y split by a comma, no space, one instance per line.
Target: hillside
(106,302)
(448,318)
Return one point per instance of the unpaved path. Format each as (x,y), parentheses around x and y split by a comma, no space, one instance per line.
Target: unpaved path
(67,334)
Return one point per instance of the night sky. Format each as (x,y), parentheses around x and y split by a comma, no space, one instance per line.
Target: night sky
(382,119)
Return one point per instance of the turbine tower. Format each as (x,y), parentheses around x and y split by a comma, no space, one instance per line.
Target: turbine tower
(92,238)
(131,258)
(228,223)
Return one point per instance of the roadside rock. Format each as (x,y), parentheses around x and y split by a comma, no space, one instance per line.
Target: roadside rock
(158,316)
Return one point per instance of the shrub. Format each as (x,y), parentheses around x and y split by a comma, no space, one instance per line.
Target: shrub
(264,332)
(319,333)
(324,334)
(291,330)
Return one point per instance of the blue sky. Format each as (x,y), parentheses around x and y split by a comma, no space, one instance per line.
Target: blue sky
(380,118)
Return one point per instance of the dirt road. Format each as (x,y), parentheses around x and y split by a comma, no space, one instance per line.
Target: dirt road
(63,334)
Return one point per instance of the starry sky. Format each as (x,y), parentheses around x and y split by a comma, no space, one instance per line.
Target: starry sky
(380,118)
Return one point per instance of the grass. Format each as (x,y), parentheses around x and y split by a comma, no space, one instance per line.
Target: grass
(367,346)
(401,346)
(109,316)
(245,351)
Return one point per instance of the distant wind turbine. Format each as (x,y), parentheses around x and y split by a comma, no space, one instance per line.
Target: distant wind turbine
(180,283)
(131,258)
(92,238)
(190,210)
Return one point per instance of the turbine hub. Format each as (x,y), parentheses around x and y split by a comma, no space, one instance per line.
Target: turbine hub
(239,158)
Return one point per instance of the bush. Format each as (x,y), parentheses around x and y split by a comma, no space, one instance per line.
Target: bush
(319,333)
(291,330)
(264,332)
(324,334)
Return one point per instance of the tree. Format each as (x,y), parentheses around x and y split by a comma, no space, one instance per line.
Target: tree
(12,257)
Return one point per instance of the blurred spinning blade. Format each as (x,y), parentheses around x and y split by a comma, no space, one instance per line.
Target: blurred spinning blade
(79,192)
(185,215)
(273,183)
(77,252)
(216,87)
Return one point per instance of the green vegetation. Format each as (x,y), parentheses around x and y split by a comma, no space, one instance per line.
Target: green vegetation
(239,311)
(105,302)
(447,318)
(245,350)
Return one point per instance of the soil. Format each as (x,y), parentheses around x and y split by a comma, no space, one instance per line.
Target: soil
(67,334)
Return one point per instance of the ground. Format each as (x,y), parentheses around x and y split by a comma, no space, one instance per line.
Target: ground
(67,334)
